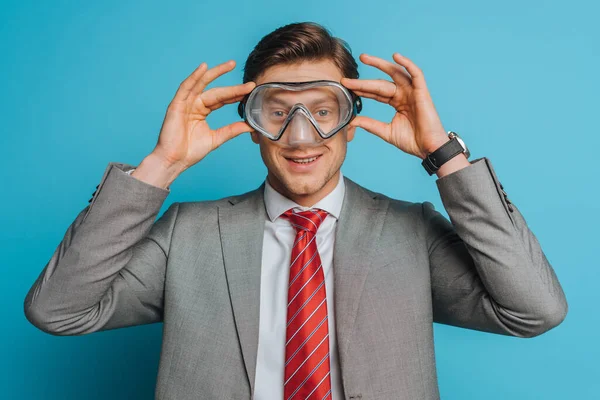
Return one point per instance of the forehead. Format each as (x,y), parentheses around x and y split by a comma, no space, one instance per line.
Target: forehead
(314,96)
(301,72)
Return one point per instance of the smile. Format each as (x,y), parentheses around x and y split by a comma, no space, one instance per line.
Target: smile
(304,160)
(303,163)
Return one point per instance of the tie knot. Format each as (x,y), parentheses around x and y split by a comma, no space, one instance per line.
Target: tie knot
(309,220)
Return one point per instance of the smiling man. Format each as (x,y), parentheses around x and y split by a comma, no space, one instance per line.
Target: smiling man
(310,286)
(301,165)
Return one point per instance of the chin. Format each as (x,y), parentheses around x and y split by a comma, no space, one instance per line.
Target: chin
(303,185)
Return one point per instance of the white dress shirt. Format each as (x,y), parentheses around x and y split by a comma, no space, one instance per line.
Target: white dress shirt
(279,237)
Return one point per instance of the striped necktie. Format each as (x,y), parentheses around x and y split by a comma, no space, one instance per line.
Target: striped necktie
(307,334)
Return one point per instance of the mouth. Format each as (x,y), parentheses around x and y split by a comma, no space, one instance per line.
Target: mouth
(304,159)
(303,163)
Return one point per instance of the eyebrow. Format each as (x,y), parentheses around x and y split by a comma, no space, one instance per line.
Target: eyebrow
(276,100)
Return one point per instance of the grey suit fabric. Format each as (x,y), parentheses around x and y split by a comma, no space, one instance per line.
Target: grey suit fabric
(398,267)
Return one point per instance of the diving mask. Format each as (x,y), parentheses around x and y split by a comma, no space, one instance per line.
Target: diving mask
(300,107)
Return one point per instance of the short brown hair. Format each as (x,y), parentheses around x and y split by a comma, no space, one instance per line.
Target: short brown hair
(302,41)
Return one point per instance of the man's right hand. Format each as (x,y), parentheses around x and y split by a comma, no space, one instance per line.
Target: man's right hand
(185,137)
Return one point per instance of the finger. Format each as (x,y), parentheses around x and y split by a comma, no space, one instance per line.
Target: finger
(230,131)
(187,85)
(379,87)
(377,128)
(203,110)
(395,71)
(220,96)
(211,75)
(370,95)
(414,71)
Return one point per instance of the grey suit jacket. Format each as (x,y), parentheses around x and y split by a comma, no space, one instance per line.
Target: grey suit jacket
(399,266)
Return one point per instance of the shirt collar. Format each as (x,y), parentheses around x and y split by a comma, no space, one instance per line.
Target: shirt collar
(276,203)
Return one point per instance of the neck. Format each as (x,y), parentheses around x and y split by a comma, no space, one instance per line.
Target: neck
(306,200)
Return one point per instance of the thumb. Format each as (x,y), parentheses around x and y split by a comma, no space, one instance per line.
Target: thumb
(374,126)
(230,131)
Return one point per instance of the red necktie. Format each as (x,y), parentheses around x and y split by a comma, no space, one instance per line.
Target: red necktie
(307,334)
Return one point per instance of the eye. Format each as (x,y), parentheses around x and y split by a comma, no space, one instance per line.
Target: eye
(278,114)
(323,113)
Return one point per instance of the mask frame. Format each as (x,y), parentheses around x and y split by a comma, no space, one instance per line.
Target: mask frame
(353,99)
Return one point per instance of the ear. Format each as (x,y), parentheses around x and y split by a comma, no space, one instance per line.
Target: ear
(350,133)
(254,136)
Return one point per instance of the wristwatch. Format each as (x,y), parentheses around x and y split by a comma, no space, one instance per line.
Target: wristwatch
(445,152)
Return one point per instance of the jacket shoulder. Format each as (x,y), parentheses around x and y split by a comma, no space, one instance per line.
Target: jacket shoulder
(395,205)
(204,206)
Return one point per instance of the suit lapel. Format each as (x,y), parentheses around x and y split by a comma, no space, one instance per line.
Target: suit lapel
(358,230)
(241,227)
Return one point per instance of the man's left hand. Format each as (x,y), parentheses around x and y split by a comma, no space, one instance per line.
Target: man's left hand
(416,127)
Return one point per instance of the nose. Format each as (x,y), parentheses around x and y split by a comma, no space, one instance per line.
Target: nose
(301,132)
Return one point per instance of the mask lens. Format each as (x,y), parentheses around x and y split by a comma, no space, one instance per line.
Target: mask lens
(272,108)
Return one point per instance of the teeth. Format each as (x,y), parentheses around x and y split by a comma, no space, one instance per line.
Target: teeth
(304,160)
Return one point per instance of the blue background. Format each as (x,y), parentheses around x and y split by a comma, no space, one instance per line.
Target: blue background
(84,84)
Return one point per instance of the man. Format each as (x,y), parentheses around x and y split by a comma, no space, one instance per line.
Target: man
(310,286)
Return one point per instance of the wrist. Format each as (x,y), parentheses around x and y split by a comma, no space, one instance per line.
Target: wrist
(457,163)
(157,172)
(434,145)
(445,156)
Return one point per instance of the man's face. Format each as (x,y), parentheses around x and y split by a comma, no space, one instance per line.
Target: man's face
(303,183)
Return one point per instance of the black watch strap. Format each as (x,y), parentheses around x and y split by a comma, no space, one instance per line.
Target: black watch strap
(435,160)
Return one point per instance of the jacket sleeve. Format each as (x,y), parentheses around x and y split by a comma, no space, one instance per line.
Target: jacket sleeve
(488,271)
(108,271)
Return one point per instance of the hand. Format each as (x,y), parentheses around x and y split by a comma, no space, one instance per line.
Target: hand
(416,127)
(185,137)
